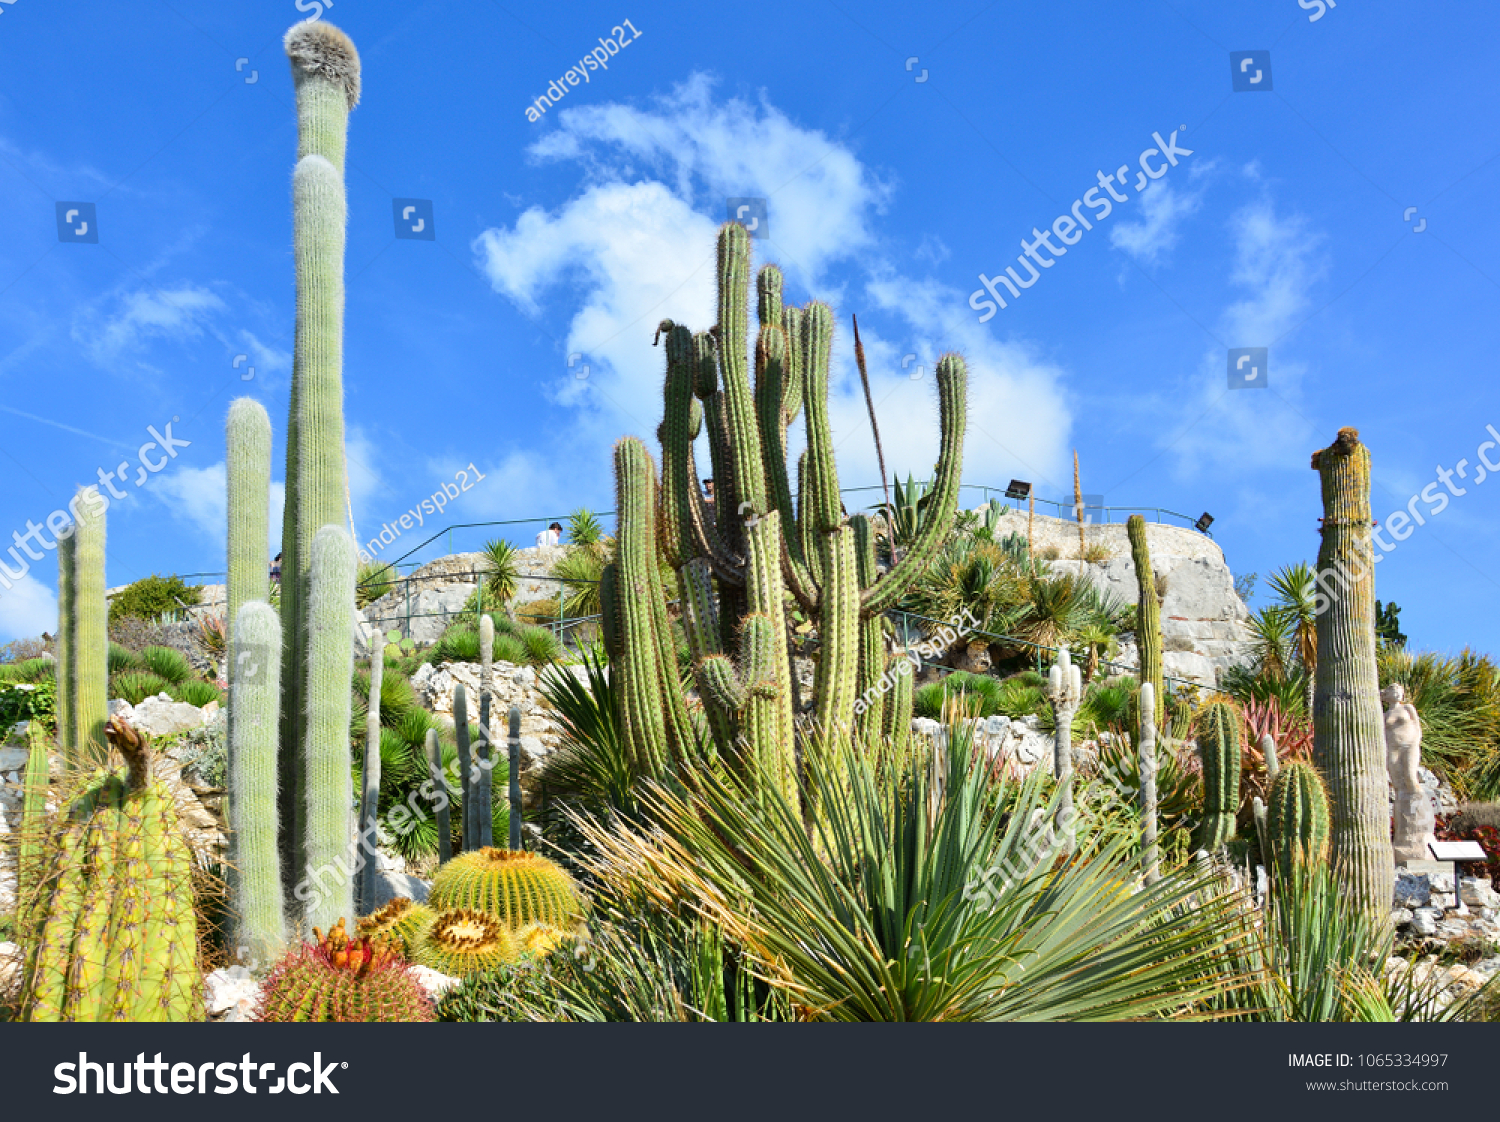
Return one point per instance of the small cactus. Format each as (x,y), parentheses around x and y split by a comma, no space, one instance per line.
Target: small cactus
(1297,826)
(1064,690)
(337,978)
(402,922)
(514,886)
(1219,748)
(461,943)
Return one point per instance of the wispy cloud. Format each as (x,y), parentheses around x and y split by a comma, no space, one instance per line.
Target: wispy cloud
(180,313)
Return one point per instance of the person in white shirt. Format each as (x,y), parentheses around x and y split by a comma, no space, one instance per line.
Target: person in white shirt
(550,536)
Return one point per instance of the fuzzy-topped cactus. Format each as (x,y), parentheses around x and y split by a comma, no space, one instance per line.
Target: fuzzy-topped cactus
(1218,736)
(1297,819)
(402,922)
(116,935)
(336,978)
(516,887)
(248,485)
(736,559)
(461,943)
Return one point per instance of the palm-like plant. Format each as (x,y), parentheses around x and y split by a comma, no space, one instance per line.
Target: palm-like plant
(1458,700)
(501,572)
(373,580)
(923,892)
(583,528)
(1097,640)
(1273,638)
(591,766)
(1296,587)
(580,571)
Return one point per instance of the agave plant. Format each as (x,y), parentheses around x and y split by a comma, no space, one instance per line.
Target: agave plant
(591,766)
(923,892)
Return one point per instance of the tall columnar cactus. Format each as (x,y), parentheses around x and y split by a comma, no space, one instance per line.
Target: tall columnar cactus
(254,867)
(67,681)
(369,799)
(1064,691)
(248,478)
(513,753)
(440,786)
(325,71)
(117,936)
(30,851)
(1297,819)
(468,807)
(486,821)
(1348,724)
(736,559)
(1218,736)
(1146,749)
(1147,614)
(325,751)
(88,647)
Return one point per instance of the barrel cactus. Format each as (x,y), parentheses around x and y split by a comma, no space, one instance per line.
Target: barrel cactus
(117,939)
(337,978)
(462,943)
(1297,819)
(1218,736)
(402,922)
(516,887)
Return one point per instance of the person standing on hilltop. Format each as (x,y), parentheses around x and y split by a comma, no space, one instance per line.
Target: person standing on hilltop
(550,536)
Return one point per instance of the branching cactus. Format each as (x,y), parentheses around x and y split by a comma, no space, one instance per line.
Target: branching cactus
(1348,724)
(254,867)
(1218,737)
(1146,749)
(369,799)
(1064,691)
(1147,615)
(736,559)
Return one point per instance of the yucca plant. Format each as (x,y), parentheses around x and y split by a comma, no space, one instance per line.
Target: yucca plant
(501,572)
(135,686)
(584,529)
(195,692)
(591,767)
(923,892)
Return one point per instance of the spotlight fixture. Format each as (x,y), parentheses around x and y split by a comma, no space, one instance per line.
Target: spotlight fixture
(1018,489)
(1204,523)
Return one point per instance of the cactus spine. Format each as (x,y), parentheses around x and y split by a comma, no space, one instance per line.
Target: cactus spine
(1147,615)
(513,751)
(1297,826)
(1146,748)
(254,869)
(486,822)
(440,786)
(369,799)
(88,645)
(1064,691)
(248,478)
(1219,748)
(1348,724)
(327,782)
(325,71)
(116,934)
(736,560)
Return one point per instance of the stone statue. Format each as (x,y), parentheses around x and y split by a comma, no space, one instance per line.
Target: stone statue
(1403,754)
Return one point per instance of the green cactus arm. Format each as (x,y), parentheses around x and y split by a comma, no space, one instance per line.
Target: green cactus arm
(1148,613)
(838,661)
(254,867)
(898,707)
(771,357)
(248,486)
(720,684)
(609,611)
(369,799)
(329,785)
(1219,748)
(733,335)
(468,804)
(434,753)
(486,747)
(792,325)
(1348,723)
(89,648)
(30,852)
(820,482)
(870,720)
(67,681)
(942,507)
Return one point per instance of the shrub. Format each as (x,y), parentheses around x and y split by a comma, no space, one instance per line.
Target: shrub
(167,663)
(121,659)
(541,645)
(152,597)
(508,648)
(135,686)
(206,750)
(19,650)
(28,701)
(538,611)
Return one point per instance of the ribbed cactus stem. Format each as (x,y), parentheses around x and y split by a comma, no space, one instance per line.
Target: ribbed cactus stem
(1297,821)
(1348,724)
(1147,614)
(513,744)
(369,798)
(896,729)
(254,867)
(466,777)
(1218,738)
(89,645)
(1146,748)
(325,73)
(66,669)
(871,702)
(440,795)
(486,820)
(329,785)
(248,485)
(29,851)
(1064,690)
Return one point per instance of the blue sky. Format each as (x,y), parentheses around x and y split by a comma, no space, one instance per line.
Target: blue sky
(888,195)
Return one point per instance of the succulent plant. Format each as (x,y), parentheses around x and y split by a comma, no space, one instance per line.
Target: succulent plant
(517,887)
(1218,737)
(335,978)
(401,921)
(116,934)
(87,643)
(541,939)
(1297,826)
(1147,615)
(1064,691)
(1146,749)
(462,943)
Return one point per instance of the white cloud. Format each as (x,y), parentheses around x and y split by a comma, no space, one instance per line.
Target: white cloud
(176,313)
(1163,210)
(199,496)
(27,609)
